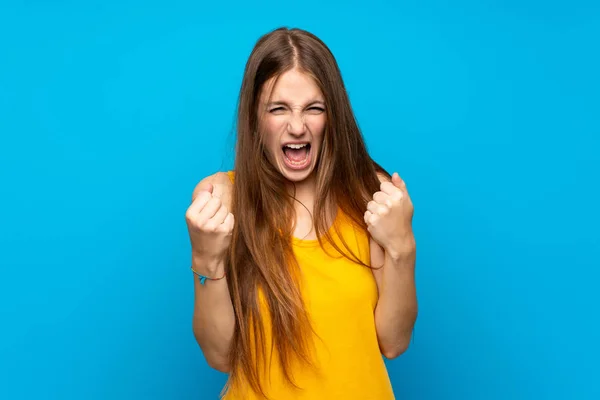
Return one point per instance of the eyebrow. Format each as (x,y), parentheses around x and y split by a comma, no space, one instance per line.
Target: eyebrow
(283,103)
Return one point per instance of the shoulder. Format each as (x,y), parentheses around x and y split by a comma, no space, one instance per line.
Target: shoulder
(223,178)
(221,182)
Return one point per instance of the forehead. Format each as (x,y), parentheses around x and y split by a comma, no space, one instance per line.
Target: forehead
(293,87)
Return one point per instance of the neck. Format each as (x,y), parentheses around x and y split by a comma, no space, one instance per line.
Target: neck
(304,191)
(305,195)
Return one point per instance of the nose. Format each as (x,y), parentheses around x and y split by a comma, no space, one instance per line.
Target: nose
(296,125)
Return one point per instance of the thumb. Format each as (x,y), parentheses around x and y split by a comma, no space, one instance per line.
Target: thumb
(202,187)
(397,181)
(206,186)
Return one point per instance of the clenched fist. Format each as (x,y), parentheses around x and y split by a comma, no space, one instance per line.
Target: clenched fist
(389,217)
(210,225)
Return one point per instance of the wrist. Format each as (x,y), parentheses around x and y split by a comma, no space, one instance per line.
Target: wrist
(208,265)
(402,250)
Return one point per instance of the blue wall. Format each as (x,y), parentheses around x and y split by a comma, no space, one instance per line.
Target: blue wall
(110,112)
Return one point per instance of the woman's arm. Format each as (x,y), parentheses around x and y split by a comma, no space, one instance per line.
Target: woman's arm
(213,320)
(397,309)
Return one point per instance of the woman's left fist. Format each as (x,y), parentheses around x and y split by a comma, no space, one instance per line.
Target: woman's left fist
(389,217)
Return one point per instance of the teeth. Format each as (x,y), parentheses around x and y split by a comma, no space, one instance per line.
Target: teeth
(296,146)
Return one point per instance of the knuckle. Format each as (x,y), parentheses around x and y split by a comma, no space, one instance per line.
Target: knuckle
(211,227)
(221,228)
(192,219)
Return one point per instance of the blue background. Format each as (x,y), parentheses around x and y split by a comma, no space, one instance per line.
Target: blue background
(111,112)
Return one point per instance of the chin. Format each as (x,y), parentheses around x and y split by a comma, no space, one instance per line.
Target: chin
(296,176)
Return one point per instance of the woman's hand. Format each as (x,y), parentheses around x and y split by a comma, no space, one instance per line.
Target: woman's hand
(389,218)
(210,226)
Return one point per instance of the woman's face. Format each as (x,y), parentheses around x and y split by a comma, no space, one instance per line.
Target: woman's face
(293,121)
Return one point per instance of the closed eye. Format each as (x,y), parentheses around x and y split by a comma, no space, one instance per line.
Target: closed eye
(312,109)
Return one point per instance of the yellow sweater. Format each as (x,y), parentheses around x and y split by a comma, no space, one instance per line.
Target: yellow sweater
(340,298)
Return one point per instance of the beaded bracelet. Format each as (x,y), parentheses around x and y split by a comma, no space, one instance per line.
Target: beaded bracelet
(203,278)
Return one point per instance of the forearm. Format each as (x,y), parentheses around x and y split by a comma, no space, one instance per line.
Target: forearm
(396,310)
(214,320)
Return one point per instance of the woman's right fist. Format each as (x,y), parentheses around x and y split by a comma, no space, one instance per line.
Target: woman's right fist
(210,224)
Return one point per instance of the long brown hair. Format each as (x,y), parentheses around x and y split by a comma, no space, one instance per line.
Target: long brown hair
(261,255)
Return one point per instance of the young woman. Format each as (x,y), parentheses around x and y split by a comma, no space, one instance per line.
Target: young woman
(300,294)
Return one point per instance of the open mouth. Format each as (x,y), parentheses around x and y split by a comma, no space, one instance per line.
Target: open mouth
(296,156)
